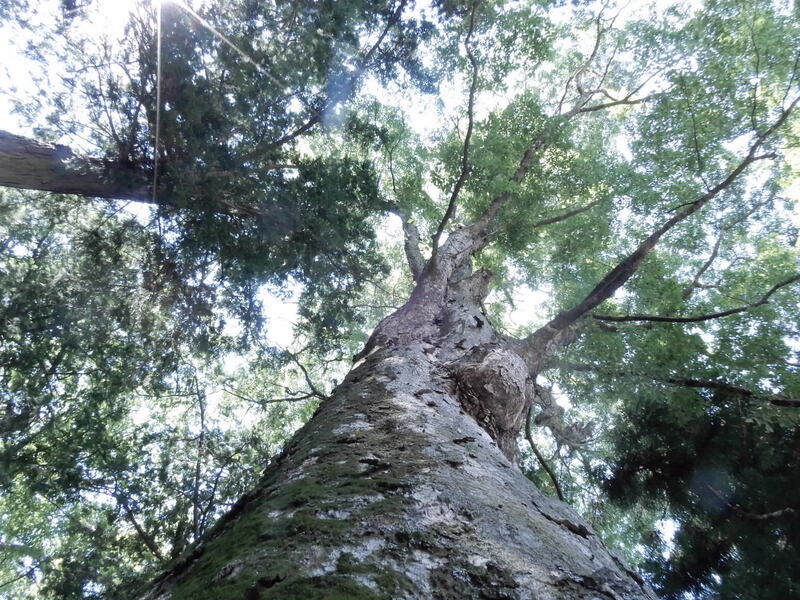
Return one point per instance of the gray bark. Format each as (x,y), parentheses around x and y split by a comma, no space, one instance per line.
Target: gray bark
(404,485)
(34,165)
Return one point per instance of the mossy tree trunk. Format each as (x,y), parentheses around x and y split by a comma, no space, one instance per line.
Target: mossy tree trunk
(404,483)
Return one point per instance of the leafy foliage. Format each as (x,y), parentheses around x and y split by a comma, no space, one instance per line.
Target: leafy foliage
(140,394)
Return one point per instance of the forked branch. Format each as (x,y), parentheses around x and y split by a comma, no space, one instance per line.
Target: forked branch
(624,270)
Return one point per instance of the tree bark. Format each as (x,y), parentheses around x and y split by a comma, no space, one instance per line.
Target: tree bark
(34,165)
(404,483)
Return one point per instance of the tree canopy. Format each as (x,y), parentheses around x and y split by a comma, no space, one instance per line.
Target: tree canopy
(636,169)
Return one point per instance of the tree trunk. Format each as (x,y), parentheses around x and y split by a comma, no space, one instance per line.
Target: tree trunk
(33,165)
(404,485)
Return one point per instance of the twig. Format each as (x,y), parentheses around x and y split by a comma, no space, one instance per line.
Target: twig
(542,461)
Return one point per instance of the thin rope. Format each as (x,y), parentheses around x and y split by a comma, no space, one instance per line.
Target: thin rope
(158,97)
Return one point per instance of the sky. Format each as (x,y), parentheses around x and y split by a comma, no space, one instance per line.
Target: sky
(424,113)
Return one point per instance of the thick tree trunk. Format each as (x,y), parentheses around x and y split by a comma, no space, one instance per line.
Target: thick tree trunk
(403,485)
(33,165)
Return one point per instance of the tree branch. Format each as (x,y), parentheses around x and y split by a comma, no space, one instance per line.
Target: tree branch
(270,400)
(617,277)
(411,242)
(566,215)
(33,165)
(775,400)
(311,386)
(626,101)
(480,226)
(465,167)
(542,461)
(687,292)
(750,515)
(146,539)
(690,382)
(696,319)
(346,89)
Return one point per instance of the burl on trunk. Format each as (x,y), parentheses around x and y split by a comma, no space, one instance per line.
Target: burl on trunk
(404,483)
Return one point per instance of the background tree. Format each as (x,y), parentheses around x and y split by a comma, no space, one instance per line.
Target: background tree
(632,166)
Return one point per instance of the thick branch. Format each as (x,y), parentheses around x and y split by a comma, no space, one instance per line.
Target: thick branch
(617,277)
(696,319)
(33,165)
(411,241)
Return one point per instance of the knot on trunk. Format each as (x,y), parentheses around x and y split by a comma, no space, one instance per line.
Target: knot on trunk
(490,384)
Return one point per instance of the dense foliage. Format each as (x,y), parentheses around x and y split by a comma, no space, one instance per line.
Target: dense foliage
(143,381)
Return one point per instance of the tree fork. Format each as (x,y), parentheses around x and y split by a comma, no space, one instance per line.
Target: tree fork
(395,489)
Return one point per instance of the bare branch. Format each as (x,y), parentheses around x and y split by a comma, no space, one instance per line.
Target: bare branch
(566,215)
(756,76)
(27,573)
(148,541)
(698,318)
(711,384)
(695,140)
(347,89)
(306,375)
(627,100)
(738,509)
(270,400)
(687,292)
(690,382)
(542,461)
(465,166)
